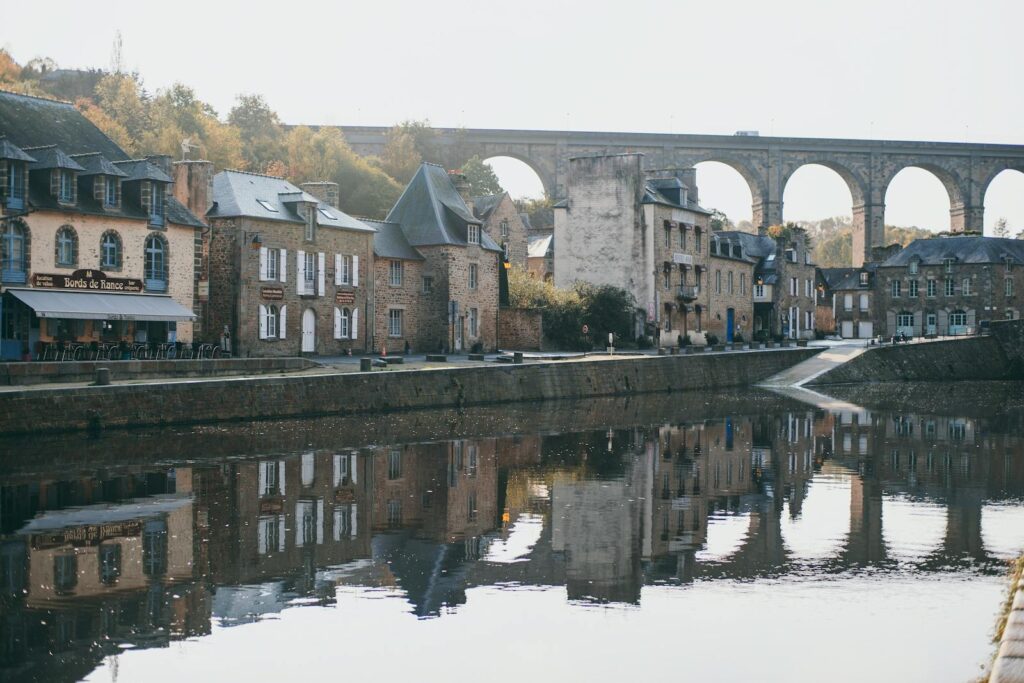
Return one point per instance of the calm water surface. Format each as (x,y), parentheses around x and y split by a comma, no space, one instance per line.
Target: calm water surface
(711,538)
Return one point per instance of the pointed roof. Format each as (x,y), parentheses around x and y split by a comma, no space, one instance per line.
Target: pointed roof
(484,206)
(389,241)
(51,156)
(95,163)
(141,169)
(8,150)
(431,212)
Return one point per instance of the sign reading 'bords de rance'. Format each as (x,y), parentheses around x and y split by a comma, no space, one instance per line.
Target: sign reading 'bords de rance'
(87,280)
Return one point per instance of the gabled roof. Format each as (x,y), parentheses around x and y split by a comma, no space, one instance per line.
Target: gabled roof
(51,156)
(431,212)
(8,150)
(539,246)
(33,121)
(244,194)
(389,241)
(525,218)
(933,251)
(141,169)
(95,163)
(759,247)
(483,207)
(653,194)
(845,278)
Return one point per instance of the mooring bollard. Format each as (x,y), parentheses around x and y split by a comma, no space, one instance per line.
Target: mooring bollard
(517,357)
(102,377)
(365,364)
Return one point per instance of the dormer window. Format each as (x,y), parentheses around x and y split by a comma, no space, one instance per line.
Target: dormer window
(473,234)
(267,205)
(15,189)
(912,267)
(948,263)
(112,192)
(156,204)
(863,279)
(66,186)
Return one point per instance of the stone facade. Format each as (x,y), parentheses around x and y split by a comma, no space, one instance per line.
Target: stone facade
(729,292)
(449,267)
(847,302)
(521,329)
(503,223)
(239,291)
(406,297)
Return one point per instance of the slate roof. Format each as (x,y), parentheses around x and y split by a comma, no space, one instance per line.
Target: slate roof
(969,249)
(141,169)
(8,150)
(525,218)
(483,207)
(33,121)
(538,246)
(653,194)
(236,194)
(389,241)
(845,278)
(759,247)
(51,156)
(722,240)
(97,164)
(431,212)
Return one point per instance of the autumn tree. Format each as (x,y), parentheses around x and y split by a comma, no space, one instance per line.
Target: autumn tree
(719,221)
(260,131)
(481,178)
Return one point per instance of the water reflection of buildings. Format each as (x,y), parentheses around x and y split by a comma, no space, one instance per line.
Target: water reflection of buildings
(149,555)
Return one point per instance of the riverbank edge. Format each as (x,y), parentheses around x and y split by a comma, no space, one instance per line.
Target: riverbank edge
(1008,666)
(96,408)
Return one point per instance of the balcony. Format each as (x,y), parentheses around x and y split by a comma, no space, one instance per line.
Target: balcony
(688,292)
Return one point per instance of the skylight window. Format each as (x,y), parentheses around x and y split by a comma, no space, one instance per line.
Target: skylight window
(326,214)
(267,205)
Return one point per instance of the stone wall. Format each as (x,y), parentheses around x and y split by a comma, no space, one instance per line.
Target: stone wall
(506,212)
(730,289)
(405,297)
(12,374)
(973,358)
(225,400)
(521,329)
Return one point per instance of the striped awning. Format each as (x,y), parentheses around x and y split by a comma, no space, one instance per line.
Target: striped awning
(94,306)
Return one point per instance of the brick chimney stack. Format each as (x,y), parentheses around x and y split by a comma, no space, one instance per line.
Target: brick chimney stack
(324,190)
(193,185)
(462,186)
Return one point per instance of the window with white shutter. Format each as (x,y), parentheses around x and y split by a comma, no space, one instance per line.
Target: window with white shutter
(281,326)
(355,270)
(337,269)
(300,270)
(263,321)
(337,323)
(263,263)
(284,265)
(321,262)
(355,323)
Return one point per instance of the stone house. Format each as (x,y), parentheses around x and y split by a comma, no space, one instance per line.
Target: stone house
(399,288)
(785,292)
(93,247)
(289,273)
(730,301)
(847,300)
(641,231)
(503,223)
(459,273)
(949,285)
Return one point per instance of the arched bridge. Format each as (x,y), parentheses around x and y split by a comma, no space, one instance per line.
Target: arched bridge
(766,163)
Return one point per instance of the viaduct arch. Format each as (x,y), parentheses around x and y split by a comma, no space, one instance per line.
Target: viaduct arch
(765,163)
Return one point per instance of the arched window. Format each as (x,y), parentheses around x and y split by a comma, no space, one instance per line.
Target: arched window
(271,321)
(156,263)
(14,252)
(110,251)
(66,247)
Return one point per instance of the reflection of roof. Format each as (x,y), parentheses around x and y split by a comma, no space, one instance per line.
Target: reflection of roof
(151,506)
(389,241)
(483,207)
(540,246)
(431,211)
(933,251)
(240,193)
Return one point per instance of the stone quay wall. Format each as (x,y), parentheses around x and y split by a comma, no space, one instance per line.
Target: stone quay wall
(997,356)
(16,374)
(263,398)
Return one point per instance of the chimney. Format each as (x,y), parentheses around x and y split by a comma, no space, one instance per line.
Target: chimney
(324,190)
(462,186)
(161,161)
(193,185)
(689,178)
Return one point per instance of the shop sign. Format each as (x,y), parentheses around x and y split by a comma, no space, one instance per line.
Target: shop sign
(87,535)
(344,297)
(87,280)
(272,293)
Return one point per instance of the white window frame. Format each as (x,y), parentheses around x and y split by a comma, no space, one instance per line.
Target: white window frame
(273,264)
(395,274)
(473,276)
(931,288)
(474,323)
(865,302)
(395,323)
(965,288)
(896,289)
(473,234)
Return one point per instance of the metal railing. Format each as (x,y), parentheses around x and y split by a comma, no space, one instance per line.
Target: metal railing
(688,291)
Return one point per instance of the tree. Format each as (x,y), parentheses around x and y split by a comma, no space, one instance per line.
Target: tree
(719,221)
(401,158)
(111,128)
(122,99)
(481,178)
(260,131)
(177,114)
(1001,229)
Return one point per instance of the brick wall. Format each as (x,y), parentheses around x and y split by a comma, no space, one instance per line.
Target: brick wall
(123,405)
(521,329)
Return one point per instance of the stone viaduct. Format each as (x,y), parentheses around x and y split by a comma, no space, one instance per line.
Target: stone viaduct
(766,163)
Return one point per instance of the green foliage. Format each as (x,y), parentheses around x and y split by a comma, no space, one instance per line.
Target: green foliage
(719,221)
(712,339)
(260,131)
(833,239)
(540,212)
(480,177)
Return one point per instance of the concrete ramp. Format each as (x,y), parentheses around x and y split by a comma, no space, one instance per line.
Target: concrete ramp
(801,373)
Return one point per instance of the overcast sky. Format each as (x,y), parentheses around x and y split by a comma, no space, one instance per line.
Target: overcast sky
(937,70)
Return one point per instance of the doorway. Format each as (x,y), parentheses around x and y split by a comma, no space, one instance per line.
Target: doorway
(730,324)
(308,331)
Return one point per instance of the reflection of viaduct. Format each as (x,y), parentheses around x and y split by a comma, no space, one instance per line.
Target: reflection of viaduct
(766,163)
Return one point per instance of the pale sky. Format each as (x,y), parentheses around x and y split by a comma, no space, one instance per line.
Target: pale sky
(889,69)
